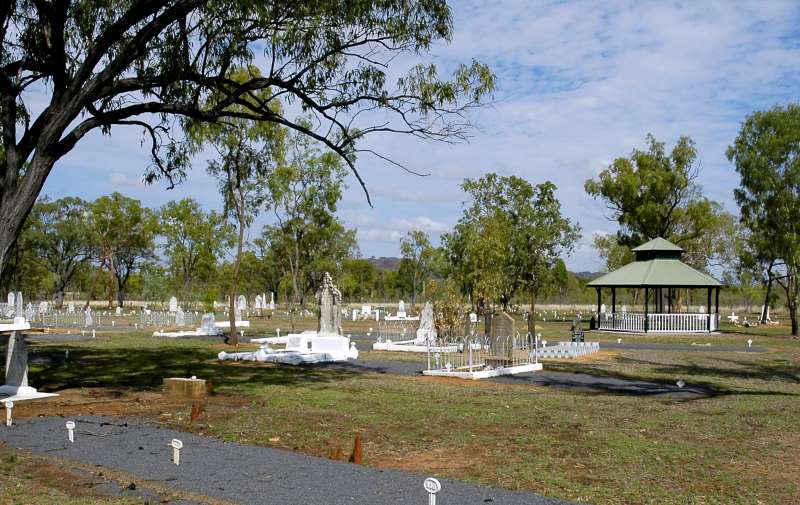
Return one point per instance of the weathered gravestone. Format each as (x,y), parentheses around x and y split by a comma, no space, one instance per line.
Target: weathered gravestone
(180,317)
(271,300)
(401,309)
(43,307)
(89,319)
(241,303)
(30,312)
(11,299)
(501,336)
(207,325)
(329,301)
(71,308)
(173,304)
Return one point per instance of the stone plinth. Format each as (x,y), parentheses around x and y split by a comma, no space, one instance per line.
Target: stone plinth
(179,387)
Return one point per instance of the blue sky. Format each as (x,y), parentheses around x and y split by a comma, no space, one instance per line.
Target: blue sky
(579,83)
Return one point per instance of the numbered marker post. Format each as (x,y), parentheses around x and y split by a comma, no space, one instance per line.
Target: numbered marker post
(177,445)
(432,486)
(71,431)
(749,342)
(9,408)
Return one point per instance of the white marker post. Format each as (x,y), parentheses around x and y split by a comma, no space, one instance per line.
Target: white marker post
(71,431)
(9,408)
(177,445)
(749,343)
(432,486)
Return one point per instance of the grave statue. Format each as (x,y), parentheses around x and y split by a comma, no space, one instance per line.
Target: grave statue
(427,331)
(329,301)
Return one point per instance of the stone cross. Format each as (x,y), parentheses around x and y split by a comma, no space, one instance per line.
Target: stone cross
(329,300)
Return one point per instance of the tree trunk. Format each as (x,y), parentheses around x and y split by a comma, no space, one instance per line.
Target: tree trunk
(532,317)
(233,339)
(766,300)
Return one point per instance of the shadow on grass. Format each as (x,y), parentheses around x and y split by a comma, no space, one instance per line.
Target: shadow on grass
(771,371)
(143,369)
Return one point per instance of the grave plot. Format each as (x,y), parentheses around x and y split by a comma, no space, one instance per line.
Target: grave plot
(324,345)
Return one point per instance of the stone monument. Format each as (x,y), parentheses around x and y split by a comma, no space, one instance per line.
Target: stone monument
(426,334)
(89,320)
(329,301)
(11,299)
(502,327)
(173,304)
(18,311)
(71,308)
(207,325)
(271,300)
(241,303)
(180,317)
(401,309)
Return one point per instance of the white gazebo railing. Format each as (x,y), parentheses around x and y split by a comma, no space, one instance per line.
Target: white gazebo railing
(658,323)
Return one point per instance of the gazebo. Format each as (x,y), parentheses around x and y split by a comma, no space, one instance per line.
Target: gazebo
(659,271)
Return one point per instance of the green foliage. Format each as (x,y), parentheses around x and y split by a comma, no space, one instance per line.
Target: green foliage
(653,194)
(766,154)
(509,239)
(194,241)
(418,256)
(121,234)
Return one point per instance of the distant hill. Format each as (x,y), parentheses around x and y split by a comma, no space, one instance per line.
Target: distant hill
(587,276)
(384,264)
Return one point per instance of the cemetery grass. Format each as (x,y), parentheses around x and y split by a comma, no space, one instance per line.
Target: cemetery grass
(738,445)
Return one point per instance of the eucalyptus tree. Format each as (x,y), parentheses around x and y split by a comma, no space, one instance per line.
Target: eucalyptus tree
(417,254)
(303,196)
(194,240)
(246,153)
(766,154)
(122,234)
(58,237)
(143,63)
(510,238)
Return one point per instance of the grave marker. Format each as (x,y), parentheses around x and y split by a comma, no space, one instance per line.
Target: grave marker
(71,431)
(329,299)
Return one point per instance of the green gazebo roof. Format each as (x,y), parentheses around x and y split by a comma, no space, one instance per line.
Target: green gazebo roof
(652,269)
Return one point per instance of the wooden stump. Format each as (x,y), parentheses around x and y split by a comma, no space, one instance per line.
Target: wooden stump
(178,387)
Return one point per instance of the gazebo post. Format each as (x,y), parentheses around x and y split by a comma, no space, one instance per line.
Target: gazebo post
(709,309)
(716,305)
(599,300)
(646,301)
(614,300)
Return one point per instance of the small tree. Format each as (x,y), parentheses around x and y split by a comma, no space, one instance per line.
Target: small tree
(58,236)
(766,154)
(417,254)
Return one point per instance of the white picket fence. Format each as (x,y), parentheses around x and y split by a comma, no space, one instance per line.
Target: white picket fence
(658,323)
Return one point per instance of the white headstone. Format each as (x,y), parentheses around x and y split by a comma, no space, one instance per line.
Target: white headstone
(355,315)
(30,312)
(11,299)
(603,308)
(118,311)
(366,310)
(89,320)
(71,308)
(207,324)
(241,303)
(173,304)
(401,307)
(426,332)
(43,307)
(180,317)
(271,300)
(259,304)
(473,317)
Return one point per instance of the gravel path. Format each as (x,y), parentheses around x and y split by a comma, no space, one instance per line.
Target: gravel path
(240,473)
(565,380)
